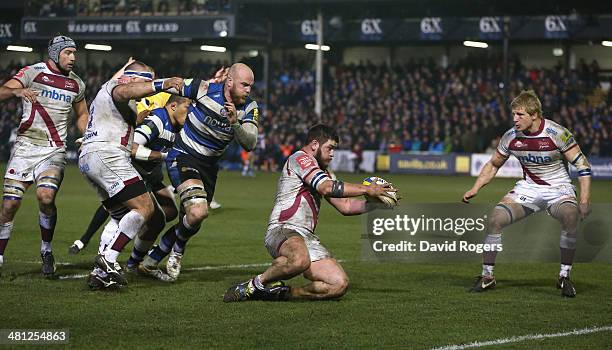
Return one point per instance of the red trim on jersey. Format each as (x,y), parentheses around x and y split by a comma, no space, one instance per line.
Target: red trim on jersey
(58,82)
(533,176)
(37,107)
(131,181)
(575,144)
(288,213)
(126,137)
(26,125)
(538,144)
(311,171)
(56,71)
(543,121)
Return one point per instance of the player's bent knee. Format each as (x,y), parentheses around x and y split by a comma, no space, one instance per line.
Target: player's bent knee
(299,263)
(197,213)
(339,287)
(46,196)
(500,217)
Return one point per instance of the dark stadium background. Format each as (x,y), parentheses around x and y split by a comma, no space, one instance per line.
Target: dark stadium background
(412,106)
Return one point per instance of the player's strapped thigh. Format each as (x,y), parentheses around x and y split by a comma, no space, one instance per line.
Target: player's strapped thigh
(50,179)
(188,167)
(191,192)
(13,189)
(507,212)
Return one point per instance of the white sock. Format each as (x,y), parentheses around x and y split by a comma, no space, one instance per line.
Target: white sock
(45,246)
(1,260)
(107,235)
(487,270)
(257,282)
(565,270)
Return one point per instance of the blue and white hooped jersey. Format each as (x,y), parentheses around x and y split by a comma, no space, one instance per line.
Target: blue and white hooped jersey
(159,133)
(158,130)
(207,131)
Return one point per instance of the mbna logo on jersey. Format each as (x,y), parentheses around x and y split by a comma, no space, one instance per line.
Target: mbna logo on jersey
(530,158)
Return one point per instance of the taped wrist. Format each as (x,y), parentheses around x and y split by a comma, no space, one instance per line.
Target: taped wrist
(337,189)
(142,153)
(158,85)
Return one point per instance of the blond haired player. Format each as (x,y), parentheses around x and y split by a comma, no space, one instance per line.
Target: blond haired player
(541,146)
(290,238)
(49,90)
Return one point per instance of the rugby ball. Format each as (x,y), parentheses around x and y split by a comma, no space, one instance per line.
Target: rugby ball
(389,201)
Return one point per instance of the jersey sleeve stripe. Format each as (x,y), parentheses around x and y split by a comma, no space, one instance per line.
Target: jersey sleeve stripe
(316,178)
(310,172)
(501,154)
(249,121)
(143,134)
(320,180)
(574,145)
(576,159)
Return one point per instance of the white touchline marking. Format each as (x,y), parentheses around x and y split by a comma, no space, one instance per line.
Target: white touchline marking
(198,268)
(516,339)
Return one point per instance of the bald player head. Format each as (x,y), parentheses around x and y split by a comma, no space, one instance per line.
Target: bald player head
(239,82)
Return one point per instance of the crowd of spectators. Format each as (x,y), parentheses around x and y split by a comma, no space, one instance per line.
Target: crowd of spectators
(72,8)
(420,106)
(409,107)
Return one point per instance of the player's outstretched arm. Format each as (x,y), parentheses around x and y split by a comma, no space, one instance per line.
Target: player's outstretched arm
(13,88)
(486,175)
(131,91)
(575,156)
(339,189)
(349,206)
(140,152)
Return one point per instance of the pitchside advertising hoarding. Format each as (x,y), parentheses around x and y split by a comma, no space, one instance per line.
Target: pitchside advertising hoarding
(468,164)
(129,27)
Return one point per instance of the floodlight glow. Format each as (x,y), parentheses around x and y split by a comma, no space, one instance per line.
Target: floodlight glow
(98,47)
(316,47)
(213,48)
(478,44)
(19,48)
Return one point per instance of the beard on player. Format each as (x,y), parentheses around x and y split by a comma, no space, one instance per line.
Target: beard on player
(323,161)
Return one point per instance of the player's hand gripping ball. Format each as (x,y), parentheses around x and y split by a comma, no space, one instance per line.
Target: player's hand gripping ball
(390,200)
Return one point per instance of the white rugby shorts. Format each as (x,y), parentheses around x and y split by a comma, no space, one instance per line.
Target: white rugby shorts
(108,171)
(28,161)
(540,197)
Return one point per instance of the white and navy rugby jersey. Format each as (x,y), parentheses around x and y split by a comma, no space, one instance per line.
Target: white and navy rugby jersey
(45,122)
(207,131)
(159,133)
(540,153)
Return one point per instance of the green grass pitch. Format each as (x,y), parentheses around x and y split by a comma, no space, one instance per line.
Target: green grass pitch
(390,305)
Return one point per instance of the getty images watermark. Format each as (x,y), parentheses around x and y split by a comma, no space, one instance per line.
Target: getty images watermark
(455,232)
